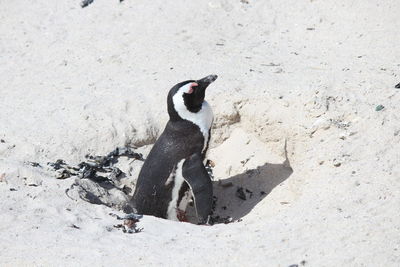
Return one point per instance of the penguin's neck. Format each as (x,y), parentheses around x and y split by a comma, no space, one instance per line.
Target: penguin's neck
(202,119)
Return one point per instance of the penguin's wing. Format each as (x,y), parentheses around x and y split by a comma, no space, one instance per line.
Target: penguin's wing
(199,181)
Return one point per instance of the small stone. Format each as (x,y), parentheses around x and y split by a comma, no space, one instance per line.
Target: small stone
(336,163)
(379,108)
(397,86)
(85,3)
(2,141)
(321,162)
(320,123)
(211,163)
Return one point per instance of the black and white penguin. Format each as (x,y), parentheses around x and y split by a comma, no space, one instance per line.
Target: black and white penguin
(174,172)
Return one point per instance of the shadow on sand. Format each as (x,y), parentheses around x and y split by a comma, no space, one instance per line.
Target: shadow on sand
(239,194)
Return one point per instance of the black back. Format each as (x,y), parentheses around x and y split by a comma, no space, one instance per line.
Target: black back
(179,140)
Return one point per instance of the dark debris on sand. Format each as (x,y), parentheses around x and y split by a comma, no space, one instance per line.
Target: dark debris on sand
(85,3)
(240,193)
(244,193)
(33,164)
(94,165)
(216,219)
(129,226)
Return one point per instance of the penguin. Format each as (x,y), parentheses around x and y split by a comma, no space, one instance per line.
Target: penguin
(173,172)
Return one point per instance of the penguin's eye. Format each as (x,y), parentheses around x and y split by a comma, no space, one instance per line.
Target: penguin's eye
(191,88)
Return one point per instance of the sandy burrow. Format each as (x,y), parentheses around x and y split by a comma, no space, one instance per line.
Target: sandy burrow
(308,74)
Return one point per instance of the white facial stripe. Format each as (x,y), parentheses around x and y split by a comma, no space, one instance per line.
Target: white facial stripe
(203,118)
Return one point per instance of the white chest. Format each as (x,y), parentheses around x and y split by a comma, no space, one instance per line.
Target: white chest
(174,206)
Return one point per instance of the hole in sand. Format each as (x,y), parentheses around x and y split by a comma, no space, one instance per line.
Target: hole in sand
(247,169)
(245,173)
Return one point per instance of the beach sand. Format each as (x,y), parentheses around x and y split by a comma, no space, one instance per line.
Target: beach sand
(77,81)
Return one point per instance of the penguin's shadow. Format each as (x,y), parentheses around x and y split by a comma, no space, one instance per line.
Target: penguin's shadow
(238,195)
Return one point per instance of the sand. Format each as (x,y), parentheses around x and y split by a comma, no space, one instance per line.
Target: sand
(309,74)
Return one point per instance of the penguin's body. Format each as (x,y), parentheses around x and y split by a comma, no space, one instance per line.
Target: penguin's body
(173,171)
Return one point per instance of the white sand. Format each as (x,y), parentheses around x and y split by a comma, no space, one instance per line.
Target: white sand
(75,81)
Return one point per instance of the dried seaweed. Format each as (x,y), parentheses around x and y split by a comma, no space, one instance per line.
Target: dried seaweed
(96,165)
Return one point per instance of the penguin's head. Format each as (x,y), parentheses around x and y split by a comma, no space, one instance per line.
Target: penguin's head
(188,96)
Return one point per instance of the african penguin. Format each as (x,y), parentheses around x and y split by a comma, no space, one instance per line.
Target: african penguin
(174,172)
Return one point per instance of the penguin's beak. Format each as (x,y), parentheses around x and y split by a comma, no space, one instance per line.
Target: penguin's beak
(206,81)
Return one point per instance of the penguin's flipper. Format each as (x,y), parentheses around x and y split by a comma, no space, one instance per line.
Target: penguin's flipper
(200,183)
